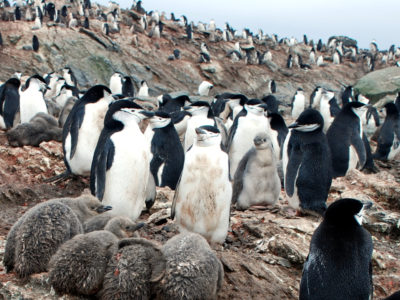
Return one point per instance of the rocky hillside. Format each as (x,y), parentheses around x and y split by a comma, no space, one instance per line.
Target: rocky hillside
(265,249)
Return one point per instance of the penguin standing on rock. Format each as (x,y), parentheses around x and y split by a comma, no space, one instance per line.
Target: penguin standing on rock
(345,138)
(389,135)
(122,151)
(256,180)
(307,163)
(35,43)
(203,196)
(166,150)
(82,129)
(339,264)
(247,124)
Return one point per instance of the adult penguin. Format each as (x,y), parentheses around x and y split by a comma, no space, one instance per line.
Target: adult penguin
(389,135)
(31,99)
(9,102)
(166,150)
(279,132)
(203,196)
(307,163)
(82,130)
(339,264)
(247,124)
(298,103)
(120,167)
(345,138)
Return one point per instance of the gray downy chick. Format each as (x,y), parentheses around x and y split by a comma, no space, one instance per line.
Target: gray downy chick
(192,271)
(36,236)
(41,128)
(132,270)
(79,265)
(256,181)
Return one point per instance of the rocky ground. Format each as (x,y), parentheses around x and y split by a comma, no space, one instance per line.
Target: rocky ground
(265,249)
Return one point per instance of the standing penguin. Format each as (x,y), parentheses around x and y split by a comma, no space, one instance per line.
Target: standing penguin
(31,99)
(389,135)
(256,180)
(128,90)
(120,167)
(316,97)
(116,81)
(35,43)
(298,103)
(166,150)
(202,114)
(307,163)
(339,264)
(247,124)
(326,110)
(345,138)
(203,196)
(82,130)
(9,102)
(347,95)
(144,89)
(279,132)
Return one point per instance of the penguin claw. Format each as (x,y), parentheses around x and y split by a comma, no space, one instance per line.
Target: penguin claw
(58,178)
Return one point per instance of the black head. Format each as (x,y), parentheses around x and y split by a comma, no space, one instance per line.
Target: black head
(160,119)
(309,120)
(115,106)
(344,212)
(207,128)
(14,82)
(197,104)
(391,109)
(95,93)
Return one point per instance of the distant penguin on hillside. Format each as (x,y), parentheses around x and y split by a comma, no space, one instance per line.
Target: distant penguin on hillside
(82,129)
(339,263)
(167,154)
(35,43)
(9,103)
(128,89)
(345,137)
(204,88)
(316,97)
(201,114)
(326,110)
(31,99)
(389,135)
(298,103)
(250,121)
(122,151)
(256,181)
(116,82)
(143,90)
(203,196)
(307,163)
(69,77)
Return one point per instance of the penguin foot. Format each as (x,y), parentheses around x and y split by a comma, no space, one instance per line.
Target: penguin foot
(58,178)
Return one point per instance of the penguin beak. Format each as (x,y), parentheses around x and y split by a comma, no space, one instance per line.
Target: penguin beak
(264,106)
(147,114)
(138,226)
(294,125)
(200,131)
(103,208)
(187,108)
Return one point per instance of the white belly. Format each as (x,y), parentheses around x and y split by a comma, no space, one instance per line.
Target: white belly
(285,157)
(31,103)
(353,159)
(298,107)
(204,194)
(127,179)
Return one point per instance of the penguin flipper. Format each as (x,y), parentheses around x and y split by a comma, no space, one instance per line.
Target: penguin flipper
(369,161)
(102,161)
(359,146)
(292,170)
(11,107)
(233,129)
(238,177)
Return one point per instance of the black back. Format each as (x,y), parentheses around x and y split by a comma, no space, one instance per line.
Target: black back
(166,149)
(334,107)
(343,132)
(128,89)
(170,104)
(347,95)
(9,101)
(272,103)
(17,13)
(339,262)
(35,43)
(86,23)
(1,40)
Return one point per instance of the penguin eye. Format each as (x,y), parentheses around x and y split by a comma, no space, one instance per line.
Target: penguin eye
(93,207)
(127,227)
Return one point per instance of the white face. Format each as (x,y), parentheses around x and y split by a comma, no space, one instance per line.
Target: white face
(360,216)
(308,127)
(159,122)
(208,138)
(127,114)
(359,111)
(255,109)
(197,109)
(108,97)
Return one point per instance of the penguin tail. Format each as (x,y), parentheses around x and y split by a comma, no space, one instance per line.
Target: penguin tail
(58,178)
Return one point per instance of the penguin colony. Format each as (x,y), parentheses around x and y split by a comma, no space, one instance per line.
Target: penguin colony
(230,152)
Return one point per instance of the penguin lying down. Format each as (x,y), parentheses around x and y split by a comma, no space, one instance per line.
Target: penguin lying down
(41,128)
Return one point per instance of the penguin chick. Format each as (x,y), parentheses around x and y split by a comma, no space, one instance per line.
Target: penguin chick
(339,265)
(256,181)
(97,222)
(36,236)
(41,128)
(79,265)
(132,270)
(192,270)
